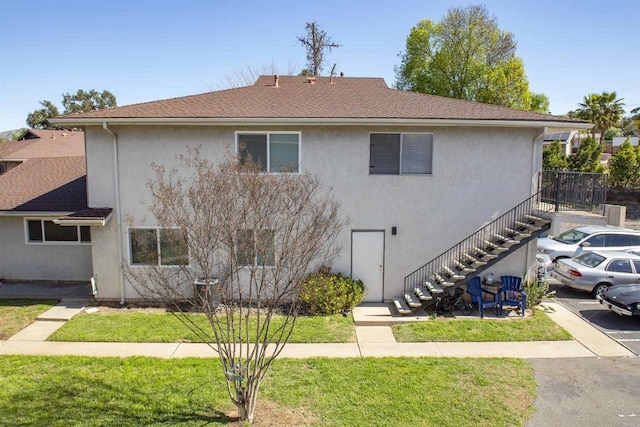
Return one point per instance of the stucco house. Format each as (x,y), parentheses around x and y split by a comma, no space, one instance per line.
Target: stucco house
(415,173)
(43,177)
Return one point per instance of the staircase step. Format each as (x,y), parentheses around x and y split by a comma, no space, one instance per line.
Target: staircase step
(422,294)
(515,234)
(531,219)
(482,255)
(433,288)
(441,281)
(504,241)
(412,301)
(464,268)
(473,262)
(449,273)
(524,227)
(401,306)
(494,247)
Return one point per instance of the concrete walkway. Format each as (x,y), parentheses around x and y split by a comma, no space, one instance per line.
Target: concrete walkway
(373,332)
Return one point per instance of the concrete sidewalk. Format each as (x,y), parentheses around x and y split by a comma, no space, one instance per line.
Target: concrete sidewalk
(373,340)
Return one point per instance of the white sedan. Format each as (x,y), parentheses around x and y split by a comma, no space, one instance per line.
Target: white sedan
(596,271)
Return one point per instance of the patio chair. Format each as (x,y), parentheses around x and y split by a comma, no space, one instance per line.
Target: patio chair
(512,293)
(474,288)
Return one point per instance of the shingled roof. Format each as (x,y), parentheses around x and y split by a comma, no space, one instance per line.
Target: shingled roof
(44,143)
(56,184)
(299,98)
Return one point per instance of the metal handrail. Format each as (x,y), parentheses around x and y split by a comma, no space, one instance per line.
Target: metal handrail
(477,240)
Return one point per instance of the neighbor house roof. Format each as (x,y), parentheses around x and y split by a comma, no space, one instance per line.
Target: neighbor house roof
(44,143)
(323,99)
(55,184)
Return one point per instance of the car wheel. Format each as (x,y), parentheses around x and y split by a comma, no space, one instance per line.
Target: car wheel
(600,289)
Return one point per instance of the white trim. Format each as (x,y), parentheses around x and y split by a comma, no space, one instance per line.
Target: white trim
(44,242)
(42,214)
(268,134)
(304,121)
(101,222)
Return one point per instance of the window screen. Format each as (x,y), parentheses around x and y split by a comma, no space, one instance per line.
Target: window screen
(416,153)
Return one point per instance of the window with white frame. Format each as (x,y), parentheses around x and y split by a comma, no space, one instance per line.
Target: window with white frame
(400,153)
(46,231)
(275,151)
(158,246)
(256,247)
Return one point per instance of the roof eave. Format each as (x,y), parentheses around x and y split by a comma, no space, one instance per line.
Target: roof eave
(305,121)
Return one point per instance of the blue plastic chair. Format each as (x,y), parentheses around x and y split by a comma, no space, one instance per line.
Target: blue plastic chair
(512,293)
(474,288)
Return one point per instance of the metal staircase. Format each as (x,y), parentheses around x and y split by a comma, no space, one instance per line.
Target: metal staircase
(473,255)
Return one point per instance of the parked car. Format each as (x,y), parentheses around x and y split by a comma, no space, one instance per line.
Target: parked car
(588,238)
(596,271)
(624,300)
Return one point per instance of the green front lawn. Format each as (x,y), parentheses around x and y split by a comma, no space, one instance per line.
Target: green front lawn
(539,327)
(165,327)
(62,391)
(17,314)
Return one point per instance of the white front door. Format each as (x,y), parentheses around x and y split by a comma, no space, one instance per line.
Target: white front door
(367,262)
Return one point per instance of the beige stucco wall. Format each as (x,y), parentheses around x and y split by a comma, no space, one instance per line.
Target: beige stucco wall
(478,174)
(51,261)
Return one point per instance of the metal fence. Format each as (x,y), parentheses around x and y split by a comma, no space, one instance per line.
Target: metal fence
(569,191)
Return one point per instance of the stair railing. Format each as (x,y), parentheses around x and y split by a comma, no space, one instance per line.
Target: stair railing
(532,206)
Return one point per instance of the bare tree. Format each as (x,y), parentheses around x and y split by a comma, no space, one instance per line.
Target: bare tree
(248,75)
(317,43)
(235,243)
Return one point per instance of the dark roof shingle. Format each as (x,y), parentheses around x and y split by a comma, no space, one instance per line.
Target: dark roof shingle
(296,98)
(56,184)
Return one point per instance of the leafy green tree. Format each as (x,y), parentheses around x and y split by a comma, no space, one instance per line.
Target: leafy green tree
(553,157)
(77,103)
(587,158)
(539,103)
(613,132)
(465,56)
(624,169)
(87,101)
(39,119)
(604,111)
(631,124)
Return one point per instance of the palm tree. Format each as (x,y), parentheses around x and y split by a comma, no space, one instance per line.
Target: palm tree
(590,110)
(612,112)
(603,110)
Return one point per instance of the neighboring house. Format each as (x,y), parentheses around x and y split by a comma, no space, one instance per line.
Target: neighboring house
(564,138)
(415,173)
(43,177)
(619,140)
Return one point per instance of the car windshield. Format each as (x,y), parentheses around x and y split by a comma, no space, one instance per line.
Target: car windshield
(589,259)
(571,237)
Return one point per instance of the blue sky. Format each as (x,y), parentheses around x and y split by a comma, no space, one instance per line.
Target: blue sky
(149,50)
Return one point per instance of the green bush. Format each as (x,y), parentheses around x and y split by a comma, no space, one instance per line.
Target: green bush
(328,293)
(535,292)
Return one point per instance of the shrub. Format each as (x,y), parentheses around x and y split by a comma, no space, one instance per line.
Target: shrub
(328,293)
(535,292)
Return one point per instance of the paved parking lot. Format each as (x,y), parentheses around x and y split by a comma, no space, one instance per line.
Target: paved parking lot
(623,329)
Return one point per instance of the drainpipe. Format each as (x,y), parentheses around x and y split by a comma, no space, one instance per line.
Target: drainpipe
(531,246)
(116,181)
